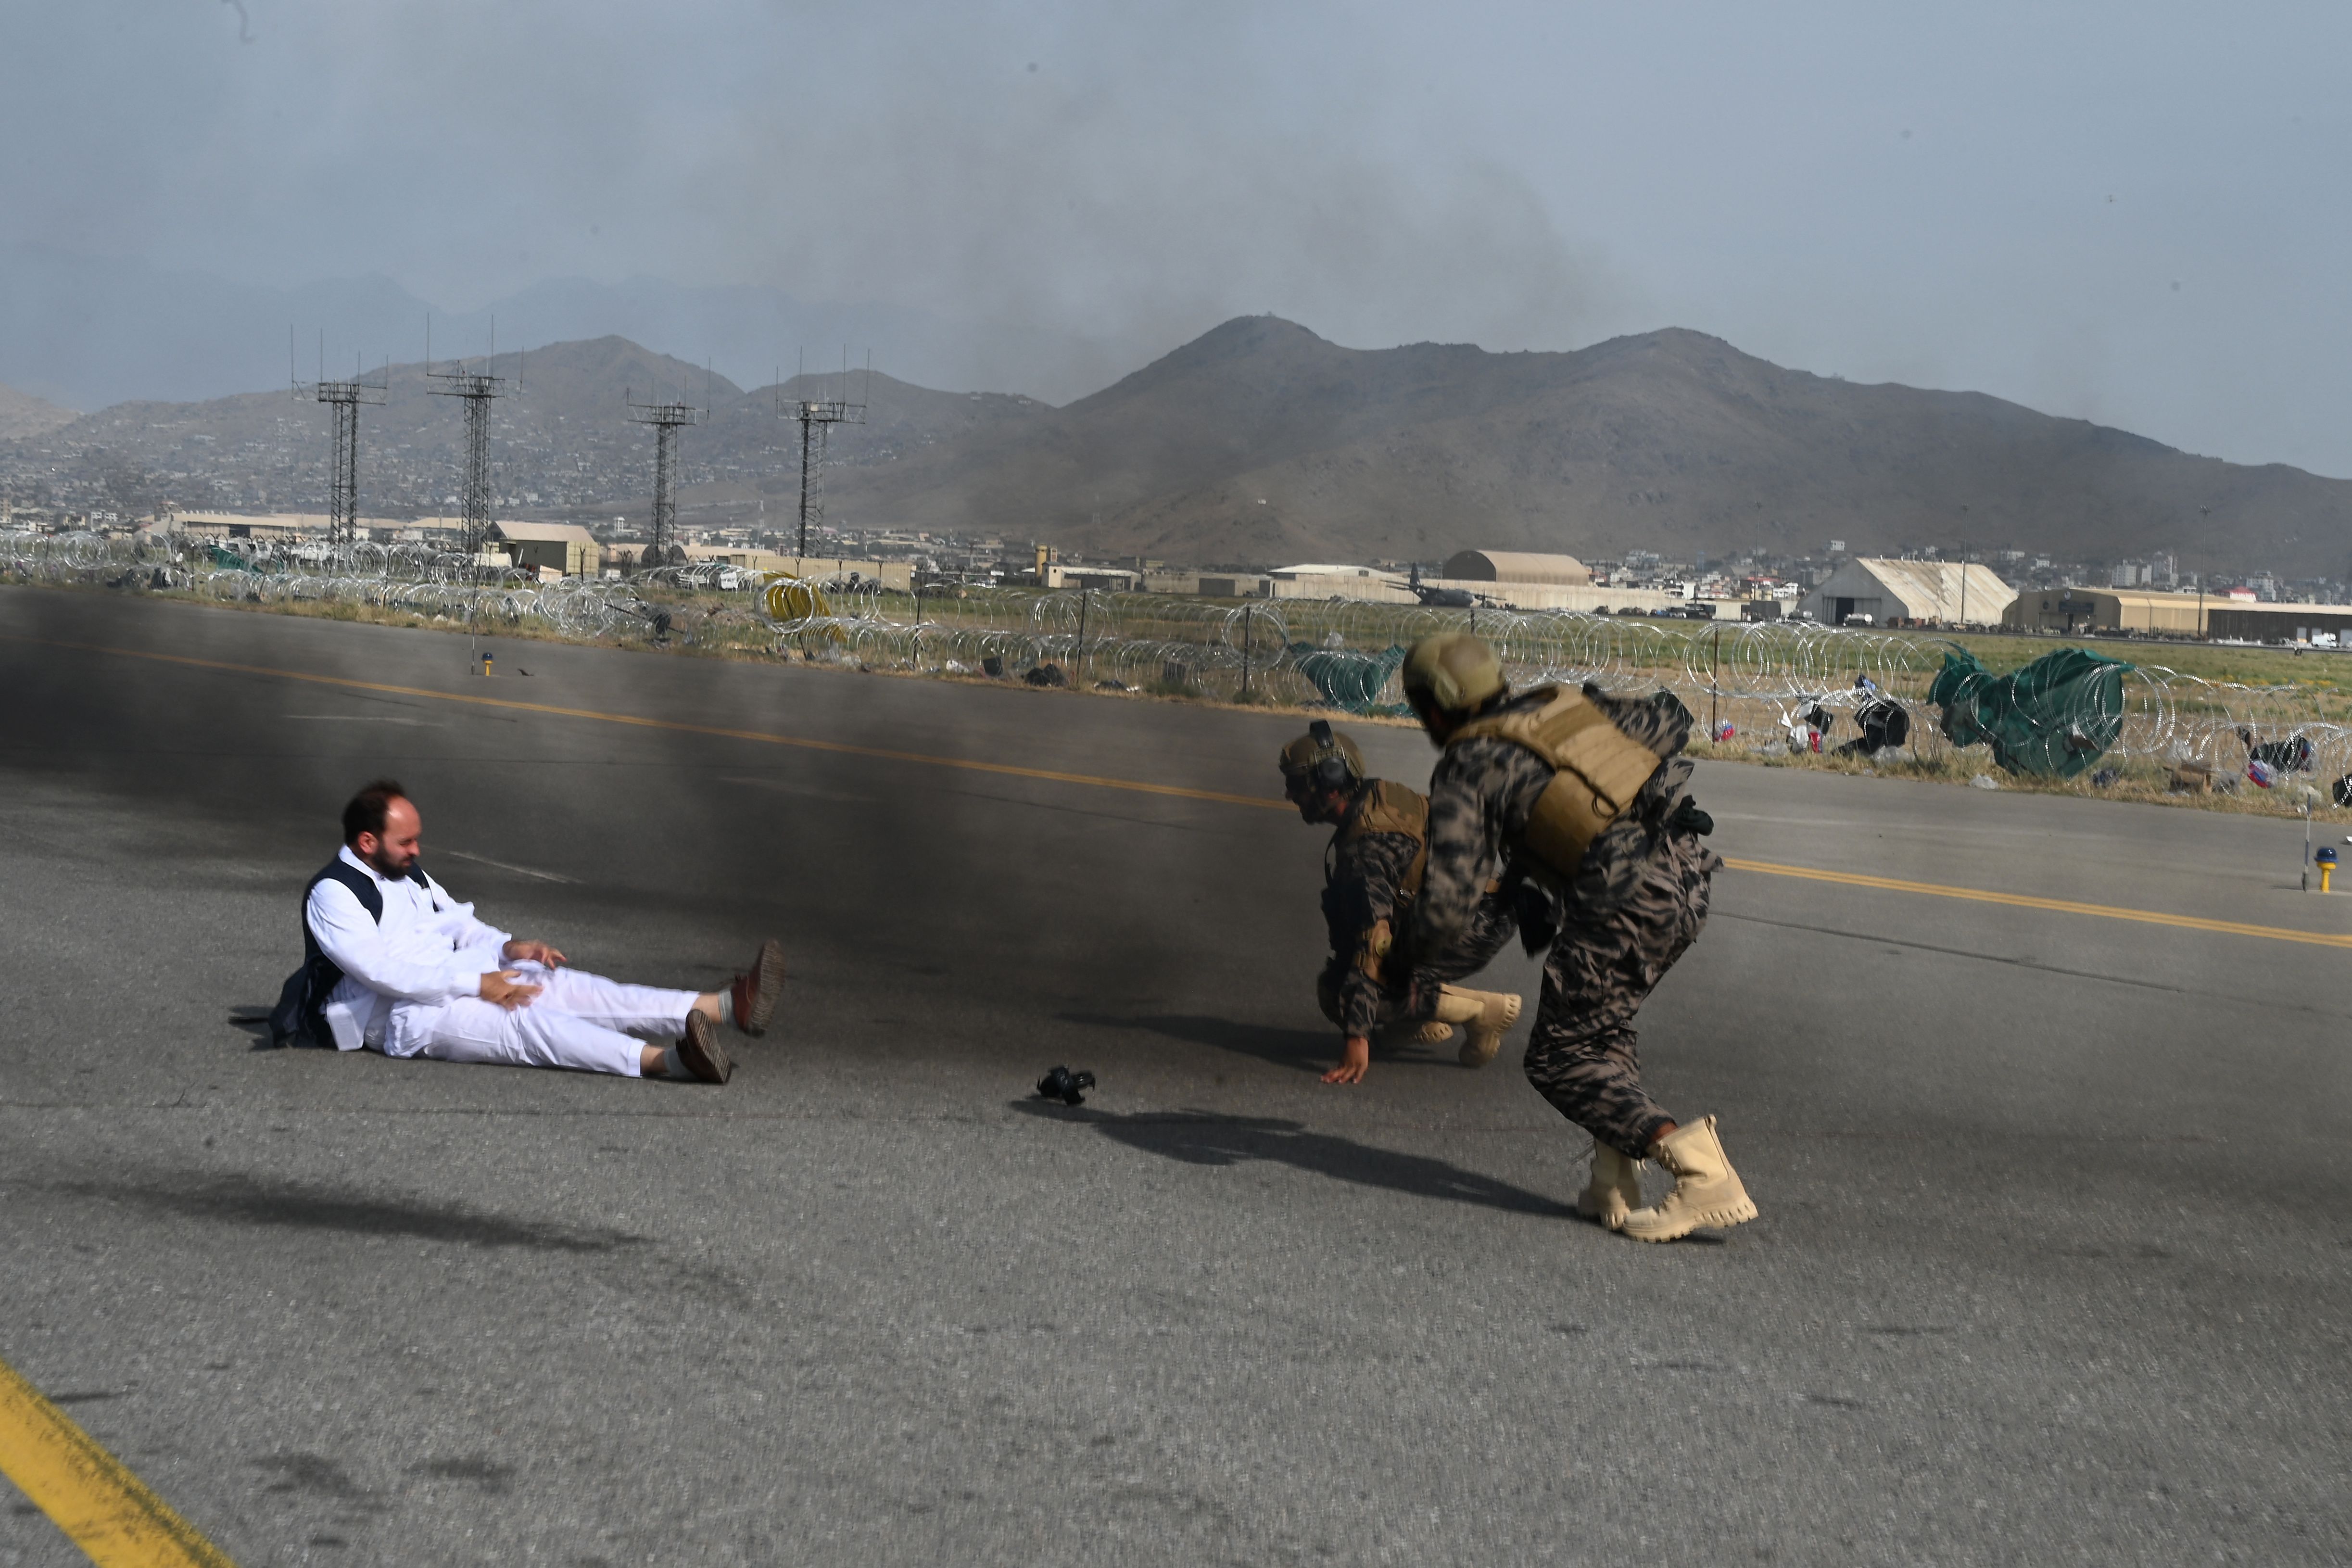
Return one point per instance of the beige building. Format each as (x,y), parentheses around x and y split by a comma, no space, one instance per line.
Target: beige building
(561,547)
(277,526)
(1209,584)
(2240,622)
(1324,580)
(895,574)
(1888,590)
(2075,611)
(2080,611)
(1513,566)
(1564,597)
(1101,579)
(1549,591)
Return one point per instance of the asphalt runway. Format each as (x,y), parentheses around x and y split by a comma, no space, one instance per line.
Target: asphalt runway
(2052,1268)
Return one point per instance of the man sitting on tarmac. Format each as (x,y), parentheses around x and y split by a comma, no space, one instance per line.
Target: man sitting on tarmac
(392,960)
(1371,874)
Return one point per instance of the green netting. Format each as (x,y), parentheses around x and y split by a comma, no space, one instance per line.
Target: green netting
(2052,718)
(1348,680)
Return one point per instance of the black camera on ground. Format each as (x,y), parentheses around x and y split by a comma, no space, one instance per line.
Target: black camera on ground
(1061,1084)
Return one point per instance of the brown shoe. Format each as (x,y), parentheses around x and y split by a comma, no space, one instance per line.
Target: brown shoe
(701,1053)
(754,991)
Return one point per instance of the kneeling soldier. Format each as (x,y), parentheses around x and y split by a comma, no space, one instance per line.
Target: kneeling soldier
(1576,794)
(1371,873)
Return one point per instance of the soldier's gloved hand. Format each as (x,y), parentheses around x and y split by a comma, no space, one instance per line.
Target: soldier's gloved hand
(1689,818)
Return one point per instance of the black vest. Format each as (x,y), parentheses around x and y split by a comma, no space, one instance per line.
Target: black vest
(299,1017)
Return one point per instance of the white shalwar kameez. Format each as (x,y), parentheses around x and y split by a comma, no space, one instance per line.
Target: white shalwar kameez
(412,986)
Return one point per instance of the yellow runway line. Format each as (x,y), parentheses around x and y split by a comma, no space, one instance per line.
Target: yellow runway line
(87,1492)
(2027,901)
(763,737)
(1096,781)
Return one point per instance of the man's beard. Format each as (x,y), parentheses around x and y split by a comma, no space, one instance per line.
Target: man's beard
(382,861)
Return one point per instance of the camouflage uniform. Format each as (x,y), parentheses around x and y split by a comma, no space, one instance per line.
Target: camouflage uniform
(1361,877)
(1636,902)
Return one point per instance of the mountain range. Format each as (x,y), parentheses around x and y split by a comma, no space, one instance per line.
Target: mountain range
(88,331)
(1260,443)
(22,415)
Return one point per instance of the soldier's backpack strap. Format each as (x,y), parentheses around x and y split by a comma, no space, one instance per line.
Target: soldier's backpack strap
(1388,806)
(1599,769)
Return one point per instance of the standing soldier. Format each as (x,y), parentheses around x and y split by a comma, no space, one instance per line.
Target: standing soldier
(1574,795)
(1371,874)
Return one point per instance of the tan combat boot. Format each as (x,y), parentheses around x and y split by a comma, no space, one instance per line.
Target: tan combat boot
(1488,1014)
(1707,1190)
(1614,1191)
(1433,1033)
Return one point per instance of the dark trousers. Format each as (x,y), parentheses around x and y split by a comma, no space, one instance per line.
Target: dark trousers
(1492,926)
(1581,1055)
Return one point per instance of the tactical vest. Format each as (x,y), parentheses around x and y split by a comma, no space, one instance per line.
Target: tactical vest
(1599,770)
(1390,807)
(1385,807)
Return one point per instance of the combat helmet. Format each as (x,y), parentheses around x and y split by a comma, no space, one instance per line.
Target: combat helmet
(1454,673)
(1323,757)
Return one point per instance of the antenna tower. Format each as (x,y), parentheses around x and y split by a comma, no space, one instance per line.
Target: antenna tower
(817,415)
(665,418)
(479,390)
(343,400)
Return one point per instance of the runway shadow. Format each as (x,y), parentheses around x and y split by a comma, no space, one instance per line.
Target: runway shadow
(250,1200)
(1301,1050)
(1202,1137)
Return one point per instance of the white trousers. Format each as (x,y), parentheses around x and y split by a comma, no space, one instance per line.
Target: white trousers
(581,1021)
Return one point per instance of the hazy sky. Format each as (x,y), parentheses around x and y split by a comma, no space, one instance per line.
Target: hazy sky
(2134,213)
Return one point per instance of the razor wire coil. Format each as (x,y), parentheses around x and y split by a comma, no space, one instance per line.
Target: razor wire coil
(1768,678)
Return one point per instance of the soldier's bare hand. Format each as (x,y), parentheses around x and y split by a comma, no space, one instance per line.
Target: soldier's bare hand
(536,952)
(499,986)
(1355,1062)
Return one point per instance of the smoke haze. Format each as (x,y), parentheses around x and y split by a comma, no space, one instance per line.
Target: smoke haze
(2124,213)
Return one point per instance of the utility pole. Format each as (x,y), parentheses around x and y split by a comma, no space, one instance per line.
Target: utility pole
(665,418)
(1714,690)
(1247,628)
(816,415)
(479,391)
(2206,512)
(343,400)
